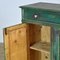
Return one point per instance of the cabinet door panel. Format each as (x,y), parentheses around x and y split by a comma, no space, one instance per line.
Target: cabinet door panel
(17,42)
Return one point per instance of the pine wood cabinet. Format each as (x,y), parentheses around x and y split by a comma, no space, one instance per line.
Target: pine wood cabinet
(37,38)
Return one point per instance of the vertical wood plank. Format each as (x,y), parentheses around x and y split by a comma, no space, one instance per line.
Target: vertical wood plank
(35,36)
(18,44)
(45,37)
(45,34)
(6,47)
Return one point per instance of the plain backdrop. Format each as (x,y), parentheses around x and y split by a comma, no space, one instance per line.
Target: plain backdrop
(10,13)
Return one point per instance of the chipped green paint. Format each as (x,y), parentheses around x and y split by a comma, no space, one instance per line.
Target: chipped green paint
(55,45)
(45,17)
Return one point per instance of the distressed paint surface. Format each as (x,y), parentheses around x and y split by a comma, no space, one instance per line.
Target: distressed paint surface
(55,45)
(47,16)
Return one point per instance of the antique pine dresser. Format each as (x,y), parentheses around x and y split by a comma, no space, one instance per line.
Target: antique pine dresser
(37,37)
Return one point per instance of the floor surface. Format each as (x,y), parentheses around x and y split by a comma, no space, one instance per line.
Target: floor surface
(1,51)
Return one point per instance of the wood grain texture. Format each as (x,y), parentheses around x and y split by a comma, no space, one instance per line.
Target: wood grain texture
(38,36)
(34,36)
(41,46)
(45,37)
(45,56)
(45,34)
(16,42)
(20,38)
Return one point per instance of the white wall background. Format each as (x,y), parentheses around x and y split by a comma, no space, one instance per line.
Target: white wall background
(10,13)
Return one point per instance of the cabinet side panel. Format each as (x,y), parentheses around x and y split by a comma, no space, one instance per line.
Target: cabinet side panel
(35,36)
(6,45)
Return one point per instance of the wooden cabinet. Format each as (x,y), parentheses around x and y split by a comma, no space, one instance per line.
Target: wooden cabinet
(25,42)
(38,37)
(16,42)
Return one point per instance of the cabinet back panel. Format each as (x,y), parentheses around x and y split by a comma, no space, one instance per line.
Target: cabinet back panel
(45,34)
(39,33)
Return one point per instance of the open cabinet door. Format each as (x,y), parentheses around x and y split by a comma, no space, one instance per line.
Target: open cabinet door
(15,38)
(27,42)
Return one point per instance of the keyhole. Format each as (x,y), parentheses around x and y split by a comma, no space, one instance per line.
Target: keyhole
(19,31)
(46,57)
(15,41)
(39,30)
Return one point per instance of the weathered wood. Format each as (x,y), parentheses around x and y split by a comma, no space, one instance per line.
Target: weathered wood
(38,41)
(46,37)
(46,34)
(45,56)
(42,47)
(16,42)
(45,6)
(21,42)
(34,36)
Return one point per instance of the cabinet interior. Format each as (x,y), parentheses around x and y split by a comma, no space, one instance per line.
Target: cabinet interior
(39,39)
(27,41)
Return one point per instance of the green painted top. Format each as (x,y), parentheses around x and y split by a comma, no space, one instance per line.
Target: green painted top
(41,5)
(49,14)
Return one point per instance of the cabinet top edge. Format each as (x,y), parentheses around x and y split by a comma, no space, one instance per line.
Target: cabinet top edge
(44,6)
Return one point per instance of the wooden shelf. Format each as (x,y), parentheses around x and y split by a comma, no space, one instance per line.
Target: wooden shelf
(41,46)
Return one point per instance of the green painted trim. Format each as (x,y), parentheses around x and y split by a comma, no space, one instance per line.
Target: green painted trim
(54,55)
(55,47)
(4,54)
(52,17)
(51,44)
(23,7)
(59,46)
(41,23)
(56,44)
